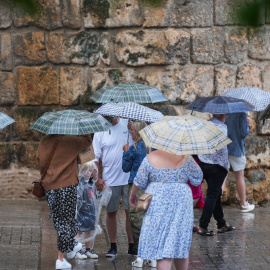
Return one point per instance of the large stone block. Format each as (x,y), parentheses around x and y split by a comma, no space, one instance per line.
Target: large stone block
(225,78)
(207,46)
(49,17)
(155,16)
(29,48)
(6,155)
(260,185)
(148,47)
(259,43)
(257,152)
(79,48)
(182,13)
(5,16)
(110,13)
(104,47)
(37,86)
(71,14)
(249,75)
(73,83)
(28,155)
(25,117)
(266,78)
(110,76)
(7,88)
(236,45)
(5,52)
(183,85)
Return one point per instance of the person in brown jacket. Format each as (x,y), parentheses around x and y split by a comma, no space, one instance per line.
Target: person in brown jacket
(60,184)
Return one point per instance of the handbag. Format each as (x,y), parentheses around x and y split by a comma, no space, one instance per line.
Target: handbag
(145,199)
(38,189)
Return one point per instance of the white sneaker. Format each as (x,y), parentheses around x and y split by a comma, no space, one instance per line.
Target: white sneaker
(91,254)
(80,255)
(72,253)
(151,263)
(62,265)
(247,208)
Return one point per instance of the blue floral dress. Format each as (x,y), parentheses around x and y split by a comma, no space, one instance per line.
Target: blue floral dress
(167,225)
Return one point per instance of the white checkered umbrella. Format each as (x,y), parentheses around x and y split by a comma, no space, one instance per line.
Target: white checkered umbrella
(5,120)
(128,92)
(184,135)
(71,122)
(129,110)
(255,96)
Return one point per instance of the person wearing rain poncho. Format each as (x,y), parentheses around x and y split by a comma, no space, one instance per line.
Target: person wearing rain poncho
(86,207)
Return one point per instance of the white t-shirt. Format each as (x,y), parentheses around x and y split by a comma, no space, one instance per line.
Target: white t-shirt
(108,146)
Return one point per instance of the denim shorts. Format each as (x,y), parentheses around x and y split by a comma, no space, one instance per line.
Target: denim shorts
(117,193)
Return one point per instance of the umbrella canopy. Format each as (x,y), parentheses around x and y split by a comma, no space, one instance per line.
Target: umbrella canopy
(265,114)
(184,135)
(132,111)
(5,120)
(255,96)
(220,105)
(128,92)
(71,122)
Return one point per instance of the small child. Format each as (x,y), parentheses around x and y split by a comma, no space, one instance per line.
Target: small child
(86,207)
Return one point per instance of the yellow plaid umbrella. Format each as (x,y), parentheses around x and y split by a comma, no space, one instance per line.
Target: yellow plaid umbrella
(184,135)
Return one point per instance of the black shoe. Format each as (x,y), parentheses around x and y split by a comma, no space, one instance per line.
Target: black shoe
(132,251)
(111,253)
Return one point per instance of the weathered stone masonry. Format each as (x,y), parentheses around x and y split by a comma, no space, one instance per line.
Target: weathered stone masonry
(187,49)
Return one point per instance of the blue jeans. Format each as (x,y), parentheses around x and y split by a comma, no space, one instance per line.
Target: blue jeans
(214,175)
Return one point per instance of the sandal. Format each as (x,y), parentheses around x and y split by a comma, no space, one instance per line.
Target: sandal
(226,228)
(205,232)
(195,228)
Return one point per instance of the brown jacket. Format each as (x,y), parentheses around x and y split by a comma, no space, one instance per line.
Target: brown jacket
(63,169)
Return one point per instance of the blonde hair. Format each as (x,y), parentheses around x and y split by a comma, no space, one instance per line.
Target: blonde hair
(138,125)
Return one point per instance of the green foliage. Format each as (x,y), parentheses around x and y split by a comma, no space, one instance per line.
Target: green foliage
(153,2)
(250,13)
(30,7)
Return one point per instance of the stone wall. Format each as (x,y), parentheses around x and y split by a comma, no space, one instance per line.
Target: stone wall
(187,49)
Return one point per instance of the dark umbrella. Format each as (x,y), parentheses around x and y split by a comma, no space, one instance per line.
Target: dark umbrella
(220,105)
(265,114)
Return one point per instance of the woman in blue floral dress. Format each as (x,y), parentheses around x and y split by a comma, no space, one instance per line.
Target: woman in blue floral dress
(167,225)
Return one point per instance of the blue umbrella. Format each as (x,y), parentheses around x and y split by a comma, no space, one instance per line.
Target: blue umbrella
(220,105)
(5,120)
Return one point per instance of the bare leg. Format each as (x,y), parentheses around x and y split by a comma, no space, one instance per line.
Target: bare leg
(224,184)
(241,186)
(111,223)
(165,264)
(60,255)
(181,264)
(128,228)
(88,243)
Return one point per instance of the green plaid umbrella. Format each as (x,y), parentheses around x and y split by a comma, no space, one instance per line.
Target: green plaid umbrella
(71,122)
(128,92)
(5,120)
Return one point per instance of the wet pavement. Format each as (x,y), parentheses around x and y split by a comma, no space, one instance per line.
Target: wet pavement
(28,241)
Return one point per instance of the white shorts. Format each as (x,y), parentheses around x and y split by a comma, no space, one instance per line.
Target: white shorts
(238,163)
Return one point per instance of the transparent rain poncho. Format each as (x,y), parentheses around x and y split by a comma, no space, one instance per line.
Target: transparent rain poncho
(89,202)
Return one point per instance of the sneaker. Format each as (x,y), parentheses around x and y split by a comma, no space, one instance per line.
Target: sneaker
(111,253)
(138,263)
(132,251)
(76,248)
(62,264)
(80,255)
(91,254)
(247,208)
